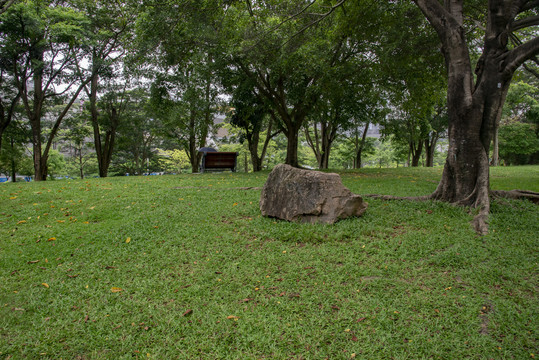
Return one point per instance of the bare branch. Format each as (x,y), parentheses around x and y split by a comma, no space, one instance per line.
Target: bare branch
(291,17)
(322,17)
(531,70)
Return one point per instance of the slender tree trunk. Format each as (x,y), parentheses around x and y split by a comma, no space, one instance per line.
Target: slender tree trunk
(13,165)
(81,163)
(430,147)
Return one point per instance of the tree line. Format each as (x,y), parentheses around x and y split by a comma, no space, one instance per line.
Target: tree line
(315,70)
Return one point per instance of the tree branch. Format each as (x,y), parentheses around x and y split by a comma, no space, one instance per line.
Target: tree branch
(529,5)
(524,23)
(5,5)
(438,16)
(522,53)
(313,23)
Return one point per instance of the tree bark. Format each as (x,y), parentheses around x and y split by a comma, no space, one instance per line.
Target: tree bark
(292,147)
(430,147)
(495,160)
(13,166)
(416,152)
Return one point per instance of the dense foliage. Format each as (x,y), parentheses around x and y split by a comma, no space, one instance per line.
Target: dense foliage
(307,83)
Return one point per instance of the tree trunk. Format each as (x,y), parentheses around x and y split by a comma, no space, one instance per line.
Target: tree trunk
(495,161)
(475,106)
(416,152)
(430,147)
(13,165)
(360,145)
(81,164)
(292,147)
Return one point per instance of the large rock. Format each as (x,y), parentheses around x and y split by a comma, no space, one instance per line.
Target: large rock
(308,196)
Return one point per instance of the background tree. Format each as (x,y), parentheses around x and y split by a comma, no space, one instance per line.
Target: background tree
(109,33)
(47,36)
(14,157)
(250,114)
(75,135)
(285,69)
(137,136)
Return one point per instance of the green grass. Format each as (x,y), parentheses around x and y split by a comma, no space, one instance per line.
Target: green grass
(204,276)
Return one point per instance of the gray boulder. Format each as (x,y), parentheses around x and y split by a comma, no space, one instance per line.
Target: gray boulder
(308,196)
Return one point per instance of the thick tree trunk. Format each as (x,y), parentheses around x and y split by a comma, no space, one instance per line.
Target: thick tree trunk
(416,153)
(292,147)
(475,104)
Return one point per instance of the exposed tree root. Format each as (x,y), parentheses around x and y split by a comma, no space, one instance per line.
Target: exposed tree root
(482,202)
(517,194)
(391,197)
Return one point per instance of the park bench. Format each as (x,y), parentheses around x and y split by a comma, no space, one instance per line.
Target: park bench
(218,161)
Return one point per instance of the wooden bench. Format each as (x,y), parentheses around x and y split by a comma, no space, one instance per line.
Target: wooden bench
(218,161)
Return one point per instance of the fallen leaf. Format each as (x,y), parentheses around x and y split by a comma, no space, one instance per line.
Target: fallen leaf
(128,240)
(188,312)
(21,222)
(51,239)
(232,317)
(116,289)
(33,261)
(18,309)
(45,284)
(361,319)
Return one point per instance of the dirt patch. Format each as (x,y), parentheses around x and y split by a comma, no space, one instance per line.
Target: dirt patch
(483,316)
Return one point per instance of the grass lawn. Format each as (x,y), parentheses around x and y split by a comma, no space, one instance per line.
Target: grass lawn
(184,267)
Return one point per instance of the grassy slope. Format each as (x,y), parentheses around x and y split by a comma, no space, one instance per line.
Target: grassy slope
(204,276)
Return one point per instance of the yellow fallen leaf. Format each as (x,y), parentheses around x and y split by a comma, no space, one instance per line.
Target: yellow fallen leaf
(234,204)
(116,289)
(128,240)
(45,284)
(51,239)
(86,222)
(21,222)
(12,198)
(232,317)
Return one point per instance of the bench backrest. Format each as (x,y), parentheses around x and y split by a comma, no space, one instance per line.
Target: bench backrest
(219,160)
